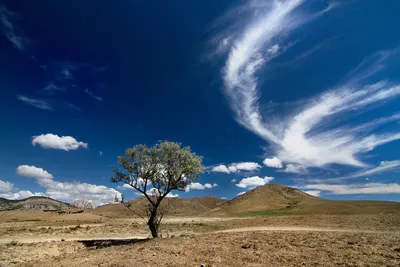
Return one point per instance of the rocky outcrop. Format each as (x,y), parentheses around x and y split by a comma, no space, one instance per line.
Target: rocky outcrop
(82,204)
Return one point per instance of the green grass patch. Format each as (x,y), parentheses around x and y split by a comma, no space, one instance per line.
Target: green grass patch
(266,213)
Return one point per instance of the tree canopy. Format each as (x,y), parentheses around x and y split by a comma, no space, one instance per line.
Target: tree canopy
(156,171)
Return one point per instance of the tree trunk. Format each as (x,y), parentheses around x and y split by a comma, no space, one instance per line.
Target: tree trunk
(153,223)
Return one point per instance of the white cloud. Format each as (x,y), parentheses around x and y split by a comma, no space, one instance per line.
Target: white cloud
(71,191)
(313,135)
(338,145)
(140,183)
(127,186)
(100,153)
(241,193)
(237,167)
(315,193)
(210,185)
(170,194)
(33,172)
(5,186)
(93,95)
(245,166)
(195,186)
(220,168)
(67,191)
(40,104)
(199,186)
(154,192)
(295,168)
(246,58)
(273,162)
(53,141)
(233,180)
(6,189)
(351,189)
(21,195)
(254,181)
(274,49)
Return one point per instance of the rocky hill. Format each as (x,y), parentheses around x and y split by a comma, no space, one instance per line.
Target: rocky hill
(82,204)
(33,203)
(267,197)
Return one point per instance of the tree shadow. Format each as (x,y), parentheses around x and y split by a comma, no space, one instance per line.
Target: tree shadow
(104,243)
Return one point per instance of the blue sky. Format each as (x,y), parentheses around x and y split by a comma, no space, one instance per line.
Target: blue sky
(302,93)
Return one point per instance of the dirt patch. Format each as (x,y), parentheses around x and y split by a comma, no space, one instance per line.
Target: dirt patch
(231,249)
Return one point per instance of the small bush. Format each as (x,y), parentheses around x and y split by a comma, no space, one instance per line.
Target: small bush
(13,243)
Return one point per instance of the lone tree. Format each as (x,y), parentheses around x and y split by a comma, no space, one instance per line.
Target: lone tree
(156,171)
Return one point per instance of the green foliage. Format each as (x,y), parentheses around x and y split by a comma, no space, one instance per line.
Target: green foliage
(156,171)
(165,166)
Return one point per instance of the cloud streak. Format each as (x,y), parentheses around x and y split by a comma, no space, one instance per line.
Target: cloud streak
(384,166)
(10,31)
(353,189)
(98,98)
(310,136)
(40,104)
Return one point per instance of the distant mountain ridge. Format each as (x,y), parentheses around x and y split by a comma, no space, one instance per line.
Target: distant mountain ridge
(33,203)
(266,200)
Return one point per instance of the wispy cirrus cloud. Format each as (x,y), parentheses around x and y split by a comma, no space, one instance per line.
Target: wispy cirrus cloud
(92,95)
(353,189)
(384,166)
(62,76)
(310,136)
(40,104)
(10,30)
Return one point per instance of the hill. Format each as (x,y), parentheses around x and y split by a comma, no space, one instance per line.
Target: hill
(267,197)
(169,206)
(277,199)
(33,203)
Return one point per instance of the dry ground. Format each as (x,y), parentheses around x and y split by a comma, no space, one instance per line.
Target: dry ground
(313,240)
(223,249)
